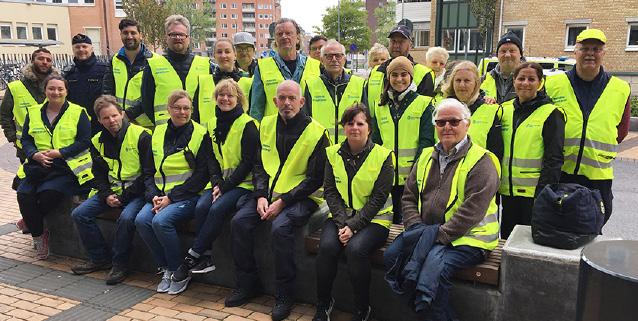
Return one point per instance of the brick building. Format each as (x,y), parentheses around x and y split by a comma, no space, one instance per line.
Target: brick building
(253,16)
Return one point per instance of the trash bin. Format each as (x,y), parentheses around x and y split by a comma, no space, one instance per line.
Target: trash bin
(608,282)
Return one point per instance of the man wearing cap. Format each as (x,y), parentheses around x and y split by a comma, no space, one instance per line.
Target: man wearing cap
(244,44)
(123,77)
(597,108)
(178,68)
(287,63)
(400,44)
(498,83)
(85,77)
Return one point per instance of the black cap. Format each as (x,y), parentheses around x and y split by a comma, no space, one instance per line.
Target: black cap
(403,30)
(80,38)
(510,37)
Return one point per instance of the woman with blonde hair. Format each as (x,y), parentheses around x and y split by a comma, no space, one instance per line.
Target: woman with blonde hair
(377,55)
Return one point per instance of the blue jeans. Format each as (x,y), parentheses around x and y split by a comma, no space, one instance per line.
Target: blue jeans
(442,262)
(211,225)
(159,233)
(92,239)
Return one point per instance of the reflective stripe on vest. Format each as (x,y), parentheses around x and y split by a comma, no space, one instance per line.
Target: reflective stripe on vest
(376,82)
(489,86)
(64,135)
(484,235)
(167,80)
(173,170)
(523,151)
(228,154)
(356,192)
(22,101)
(403,138)
(128,91)
(285,176)
(323,106)
(271,77)
(481,123)
(590,143)
(126,169)
(206,97)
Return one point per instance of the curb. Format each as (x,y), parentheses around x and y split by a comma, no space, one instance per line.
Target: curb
(633,124)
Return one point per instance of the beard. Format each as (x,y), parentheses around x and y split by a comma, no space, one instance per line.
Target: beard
(131,45)
(40,72)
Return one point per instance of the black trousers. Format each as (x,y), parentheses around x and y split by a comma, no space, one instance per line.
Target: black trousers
(604,186)
(34,206)
(397,193)
(358,250)
(517,210)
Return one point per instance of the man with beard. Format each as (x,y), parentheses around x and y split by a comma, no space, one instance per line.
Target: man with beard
(85,77)
(123,78)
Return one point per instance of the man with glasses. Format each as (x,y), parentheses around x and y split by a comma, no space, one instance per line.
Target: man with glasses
(328,95)
(498,83)
(597,108)
(178,68)
(314,46)
(244,44)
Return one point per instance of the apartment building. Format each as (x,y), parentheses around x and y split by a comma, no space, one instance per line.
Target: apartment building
(253,16)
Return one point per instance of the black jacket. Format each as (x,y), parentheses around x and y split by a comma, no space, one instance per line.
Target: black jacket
(335,89)
(85,85)
(112,146)
(380,192)
(553,137)
(140,63)
(287,135)
(425,88)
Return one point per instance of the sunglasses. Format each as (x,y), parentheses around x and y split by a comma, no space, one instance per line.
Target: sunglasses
(442,122)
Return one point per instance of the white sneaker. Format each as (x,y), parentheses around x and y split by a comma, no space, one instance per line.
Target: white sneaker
(165,284)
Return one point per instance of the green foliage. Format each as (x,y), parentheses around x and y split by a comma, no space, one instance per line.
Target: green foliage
(484,11)
(634,106)
(354,24)
(386,17)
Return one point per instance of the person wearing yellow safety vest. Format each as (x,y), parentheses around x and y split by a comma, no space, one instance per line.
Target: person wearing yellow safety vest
(224,54)
(402,122)
(450,200)
(436,58)
(178,68)
(400,44)
(597,106)
(287,178)
(56,140)
(377,55)
(235,139)
(358,180)
(123,77)
(498,83)
(181,149)
(533,133)
(464,85)
(328,95)
(244,44)
(122,159)
(286,63)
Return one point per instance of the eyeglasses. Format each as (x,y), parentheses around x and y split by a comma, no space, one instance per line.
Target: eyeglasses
(178,108)
(442,122)
(177,36)
(594,49)
(243,49)
(337,56)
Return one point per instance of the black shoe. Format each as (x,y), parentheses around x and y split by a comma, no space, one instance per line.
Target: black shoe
(323,310)
(204,265)
(182,271)
(116,275)
(239,297)
(282,308)
(362,315)
(90,267)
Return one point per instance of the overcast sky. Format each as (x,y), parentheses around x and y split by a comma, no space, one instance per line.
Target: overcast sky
(307,13)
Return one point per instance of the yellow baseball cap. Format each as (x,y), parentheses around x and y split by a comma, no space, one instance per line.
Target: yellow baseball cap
(591,34)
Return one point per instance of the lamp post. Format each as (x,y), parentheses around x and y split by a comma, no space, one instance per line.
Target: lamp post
(339,20)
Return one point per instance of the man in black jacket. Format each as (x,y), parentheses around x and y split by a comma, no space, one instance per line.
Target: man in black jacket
(122,159)
(286,178)
(85,77)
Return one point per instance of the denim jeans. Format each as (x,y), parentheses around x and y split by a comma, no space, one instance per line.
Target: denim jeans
(243,225)
(442,262)
(159,233)
(211,225)
(358,250)
(92,239)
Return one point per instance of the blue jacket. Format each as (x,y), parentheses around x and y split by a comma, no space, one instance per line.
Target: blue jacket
(85,85)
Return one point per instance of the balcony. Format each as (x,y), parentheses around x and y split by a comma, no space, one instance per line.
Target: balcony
(251,19)
(247,9)
(249,29)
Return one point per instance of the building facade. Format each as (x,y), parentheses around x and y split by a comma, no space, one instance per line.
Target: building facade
(253,16)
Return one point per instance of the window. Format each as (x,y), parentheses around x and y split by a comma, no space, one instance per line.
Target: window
(119,5)
(462,40)
(449,39)
(421,38)
(233,26)
(234,6)
(96,38)
(89,1)
(5,31)
(248,6)
(52,32)
(224,16)
(632,37)
(222,5)
(233,16)
(224,26)
(570,36)
(260,6)
(224,35)
(36,31)
(21,31)
(519,31)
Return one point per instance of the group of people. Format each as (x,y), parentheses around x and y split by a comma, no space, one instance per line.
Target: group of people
(173,137)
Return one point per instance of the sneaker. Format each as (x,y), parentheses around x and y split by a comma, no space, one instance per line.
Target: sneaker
(182,271)
(116,275)
(239,297)
(362,315)
(178,287)
(204,265)
(90,267)
(41,244)
(323,310)
(22,226)
(282,308)
(165,284)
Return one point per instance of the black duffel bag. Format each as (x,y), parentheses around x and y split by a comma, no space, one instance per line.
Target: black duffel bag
(567,216)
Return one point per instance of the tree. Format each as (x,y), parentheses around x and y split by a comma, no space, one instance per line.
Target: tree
(386,20)
(484,11)
(354,24)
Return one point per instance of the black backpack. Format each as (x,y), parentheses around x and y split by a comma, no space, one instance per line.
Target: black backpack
(567,216)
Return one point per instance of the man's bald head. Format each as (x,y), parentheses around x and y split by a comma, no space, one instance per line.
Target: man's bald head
(288,99)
